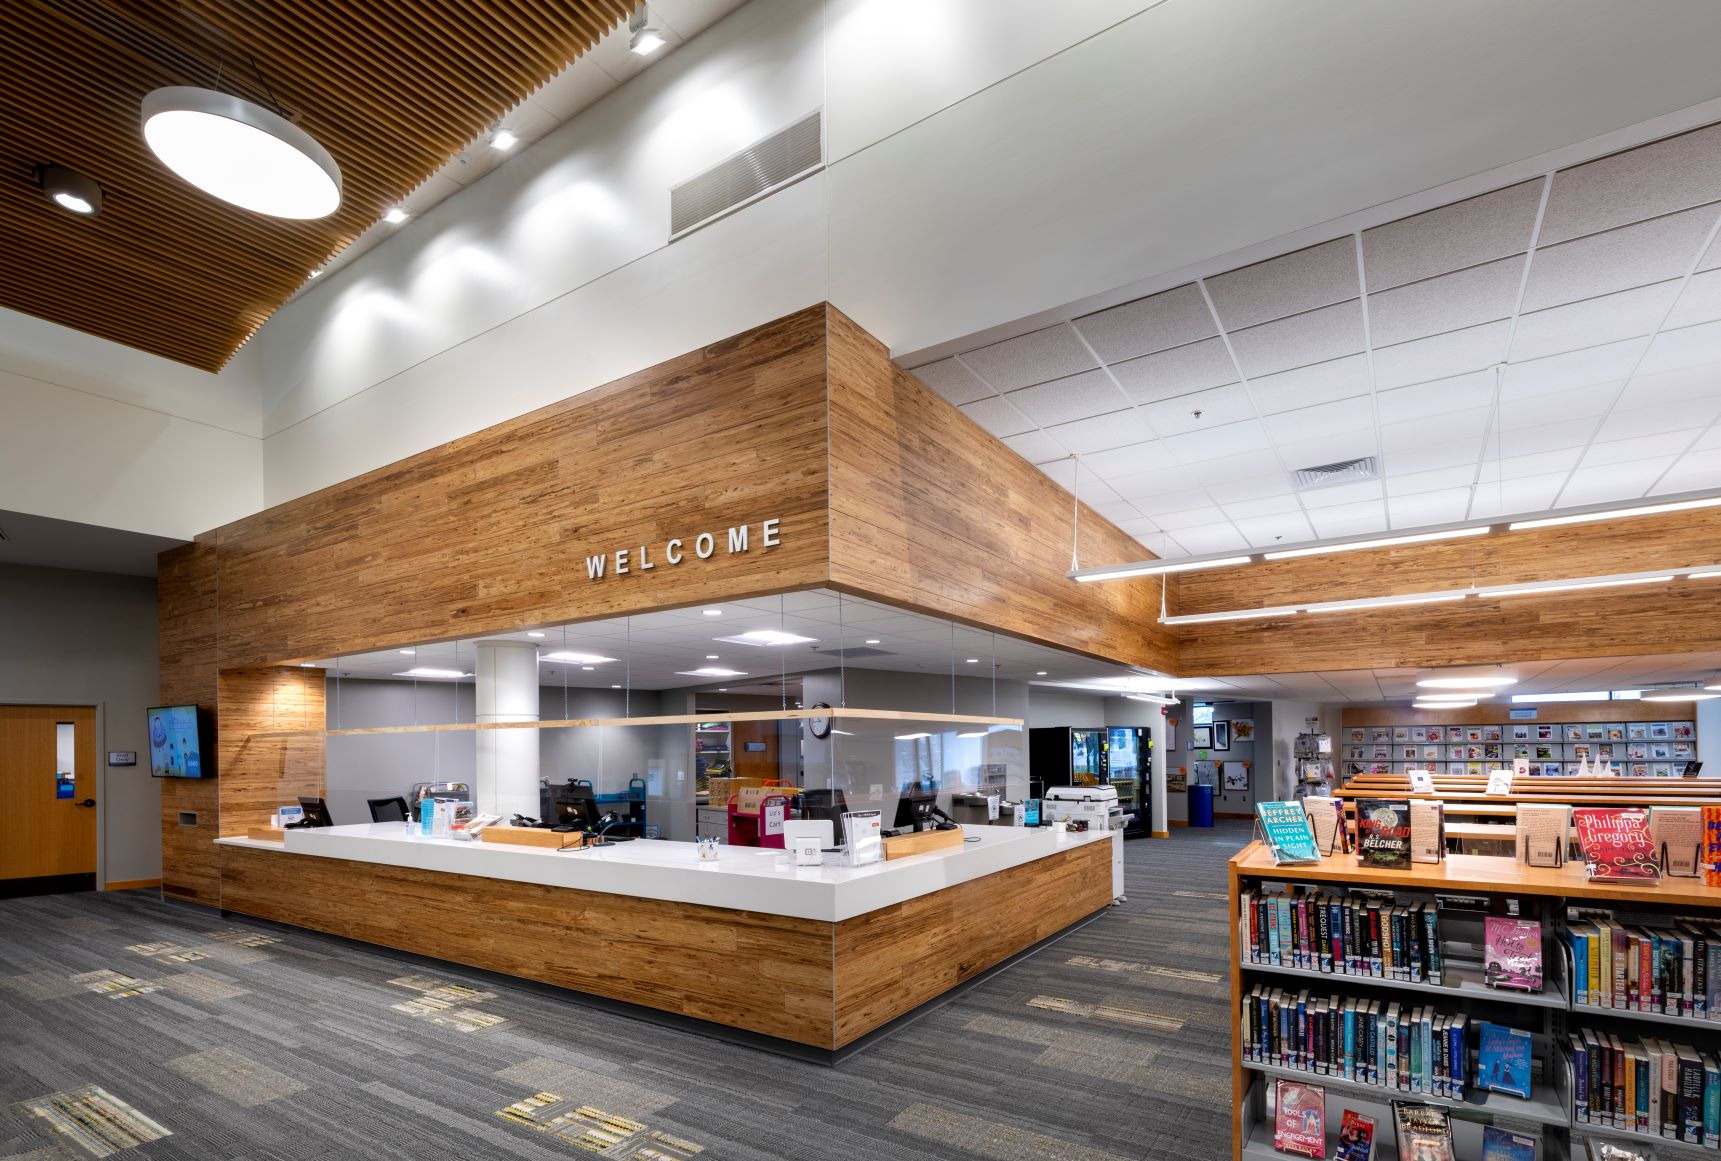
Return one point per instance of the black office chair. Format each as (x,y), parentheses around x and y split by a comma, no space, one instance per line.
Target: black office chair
(387,809)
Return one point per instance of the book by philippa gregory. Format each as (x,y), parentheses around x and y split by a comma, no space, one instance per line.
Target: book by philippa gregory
(1616,843)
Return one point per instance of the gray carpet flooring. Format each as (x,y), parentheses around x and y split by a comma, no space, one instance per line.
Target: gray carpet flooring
(134,1028)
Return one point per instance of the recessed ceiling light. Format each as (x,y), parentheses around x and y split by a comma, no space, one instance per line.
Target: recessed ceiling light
(241,152)
(764,637)
(615,687)
(408,652)
(1466,703)
(1477,680)
(713,612)
(973,661)
(709,671)
(587,659)
(643,39)
(503,139)
(972,734)
(395,216)
(307,665)
(723,689)
(712,657)
(315,273)
(70,190)
(1039,673)
(534,634)
(872,640)
(911,737)
(427,671)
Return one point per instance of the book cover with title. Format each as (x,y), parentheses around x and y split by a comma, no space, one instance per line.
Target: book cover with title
(1300,1118)
(1285,829)
(1512,953)
(1503,1059)
(1616,843)
(1383,832)
(1356,1137)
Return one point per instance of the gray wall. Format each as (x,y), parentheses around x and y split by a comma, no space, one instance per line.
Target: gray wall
(89,638)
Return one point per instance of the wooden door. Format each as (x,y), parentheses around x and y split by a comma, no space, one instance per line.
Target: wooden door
(51,827)
(753,749)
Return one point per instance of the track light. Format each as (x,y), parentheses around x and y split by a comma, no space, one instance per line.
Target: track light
(644,39)
(70,190)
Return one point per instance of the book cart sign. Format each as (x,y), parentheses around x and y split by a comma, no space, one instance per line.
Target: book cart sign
(642,558)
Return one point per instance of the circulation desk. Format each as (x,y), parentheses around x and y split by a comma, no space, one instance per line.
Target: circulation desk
(816,956)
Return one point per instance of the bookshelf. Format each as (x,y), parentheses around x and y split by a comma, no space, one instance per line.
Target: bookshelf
(1549,1016)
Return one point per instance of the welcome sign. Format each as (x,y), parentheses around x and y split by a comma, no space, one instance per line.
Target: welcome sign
(737,538)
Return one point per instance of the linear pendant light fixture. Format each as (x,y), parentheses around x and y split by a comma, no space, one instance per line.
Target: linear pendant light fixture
(241,152)
(1378,542)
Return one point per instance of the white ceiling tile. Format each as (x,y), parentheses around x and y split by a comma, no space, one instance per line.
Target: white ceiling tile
(1442,507)
(1172,522)
(1646,182)
(1036,447)
(1592,322)
(1426,457)
(1328,448)
(1517,496)
(1349,519)
(1431,400)
(1139,528)
(1709,440)
(1152,472)
(1449,302)
(1202,539)
(1177,371)
(1636,255)
(1540,464)
(1699,302)
(1553,436)
(1256,487)
(1211,472)
(1695,346)
(1694,471)
(1268,506)
(1102,432)
(1311,422)
(1469,424)
(1088,486)
(1466,233)
(1279,528)
(1155,323)
(1032,358)
(1291,284)
(1607,364)
(1600,484)
(1441,356)
(1342,495)
(1219,406)
(1536,410)
(1689,417)
(1440,478)
(1117,510)
(1623,451)
(1211,443)
(949,378)
(572,90)
(1066,400)
(1331,332)
(997,416)
(1306,386)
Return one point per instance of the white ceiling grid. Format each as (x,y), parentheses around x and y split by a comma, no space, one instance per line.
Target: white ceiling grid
(1550,344)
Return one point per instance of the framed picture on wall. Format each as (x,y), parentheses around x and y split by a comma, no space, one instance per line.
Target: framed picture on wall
(1243,729)
(1201,738)
(1221,735)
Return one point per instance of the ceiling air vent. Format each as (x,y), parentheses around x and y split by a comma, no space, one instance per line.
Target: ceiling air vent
(1343,472)
(758,171)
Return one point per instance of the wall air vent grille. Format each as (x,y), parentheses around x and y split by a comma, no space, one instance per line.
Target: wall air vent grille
(758,171)
(1343,472)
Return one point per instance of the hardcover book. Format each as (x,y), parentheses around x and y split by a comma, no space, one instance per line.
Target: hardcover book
(1300,1118)
(1285,829)
(1383,832)
(1356,1138)
(1616,843)
(1503,1060)
(1424,1132)
(1677,832)
(1512,953)
(1505,1145)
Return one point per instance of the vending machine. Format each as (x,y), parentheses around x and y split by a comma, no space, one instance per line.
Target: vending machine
(1119,756)
(1128,765)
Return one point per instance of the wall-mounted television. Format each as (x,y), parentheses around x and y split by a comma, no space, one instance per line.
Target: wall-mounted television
(175,743)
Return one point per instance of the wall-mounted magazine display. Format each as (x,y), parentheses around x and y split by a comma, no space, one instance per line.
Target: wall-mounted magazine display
(1284,827)
(1616,844)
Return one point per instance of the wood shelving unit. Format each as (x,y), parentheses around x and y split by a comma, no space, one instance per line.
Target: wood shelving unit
(1549,1014)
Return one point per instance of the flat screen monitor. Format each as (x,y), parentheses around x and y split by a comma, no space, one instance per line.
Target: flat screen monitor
(829,805)
(914,810)
(577,807)
(175,746)
(316,812)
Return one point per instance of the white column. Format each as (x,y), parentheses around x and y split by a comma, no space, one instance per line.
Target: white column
(507,777)
(1156,782)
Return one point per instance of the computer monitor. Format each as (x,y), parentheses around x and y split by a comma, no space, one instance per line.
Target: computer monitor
(316,812)
(577,806)
(914,810)
(829,805)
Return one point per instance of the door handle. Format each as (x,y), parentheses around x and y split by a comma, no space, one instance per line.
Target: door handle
(87,802)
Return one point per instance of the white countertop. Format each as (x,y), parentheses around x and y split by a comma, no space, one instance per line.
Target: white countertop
(743,878)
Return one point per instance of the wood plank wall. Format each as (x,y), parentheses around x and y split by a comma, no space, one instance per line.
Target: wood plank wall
(186,608)
(259,774)
(1673,617)
(931,512)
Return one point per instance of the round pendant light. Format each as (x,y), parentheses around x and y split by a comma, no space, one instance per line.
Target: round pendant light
(241,152)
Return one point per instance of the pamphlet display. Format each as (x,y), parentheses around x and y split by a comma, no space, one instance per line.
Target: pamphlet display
(863,831)
(1300,1118)
(1616,843)
(1285,830)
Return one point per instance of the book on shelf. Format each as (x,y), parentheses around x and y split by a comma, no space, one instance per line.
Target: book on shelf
(1500,1144)
(1677,834)
(1616,844)
(1327,822)
(1503,1059)
(1285,829)
(1340,934)
(1424,1131)
(1299,1118)
(1512,953)
(1648,1085)
(1711,846)
(1383,832)
(1397,1046)
(1356,1137)
(1541,834)
(1427,831)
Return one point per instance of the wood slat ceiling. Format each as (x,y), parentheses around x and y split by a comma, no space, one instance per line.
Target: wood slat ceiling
(391,88)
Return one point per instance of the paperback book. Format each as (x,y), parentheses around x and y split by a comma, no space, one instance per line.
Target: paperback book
(1503,1059)
(1541,834)
(1285,829)
(1616,843)
(1326,820)
(1424,1131)
(1300,1118)
(1712,846)
(1512,953)
(1427,831)
(1677,832)
(1383,832)
(1505,1145)
(1356,1137)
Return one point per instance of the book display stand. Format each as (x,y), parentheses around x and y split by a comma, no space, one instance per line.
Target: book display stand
(1565,1108)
